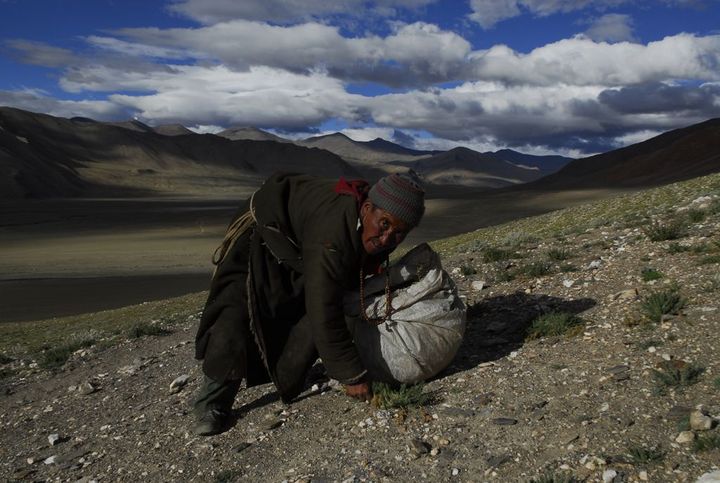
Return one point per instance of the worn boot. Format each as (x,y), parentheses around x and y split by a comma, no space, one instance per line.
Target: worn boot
(213,406)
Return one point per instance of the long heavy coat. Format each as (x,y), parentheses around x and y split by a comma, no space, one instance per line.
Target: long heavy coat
(281,286)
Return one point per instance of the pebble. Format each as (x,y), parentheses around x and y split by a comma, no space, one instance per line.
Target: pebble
(629,294)
(419,447)
(608,476)
(179,382)
(504,421)
(699,421)
(478,285)
(53,439)
(50,460)
(86,388)
(434,452)
(568,283)
(605,407)
(595,264)
(685,437)
(455,471)
(643,475)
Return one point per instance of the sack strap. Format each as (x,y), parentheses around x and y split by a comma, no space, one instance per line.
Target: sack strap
(239,226)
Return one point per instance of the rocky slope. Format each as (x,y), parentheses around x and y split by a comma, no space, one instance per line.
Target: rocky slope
(595,404)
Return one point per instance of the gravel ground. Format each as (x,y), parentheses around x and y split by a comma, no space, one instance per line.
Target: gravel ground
(585,406)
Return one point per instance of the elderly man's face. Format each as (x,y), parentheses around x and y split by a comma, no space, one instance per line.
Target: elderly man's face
(381,231)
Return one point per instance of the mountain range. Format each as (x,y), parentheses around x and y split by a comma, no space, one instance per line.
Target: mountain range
(43,156)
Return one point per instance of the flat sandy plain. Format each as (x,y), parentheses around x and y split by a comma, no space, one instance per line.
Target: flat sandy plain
(71,256)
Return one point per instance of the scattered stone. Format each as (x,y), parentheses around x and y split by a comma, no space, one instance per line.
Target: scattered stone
(642,475)
(568,283)
(455,471)
(434,452)
(629,294)
(608,476)
(685,437)
(504,421)
(86,388)
(54,439)
(605,407)
(50,460)
(594,265)
(419,447)
(179,382)
(478,285)
(700,421)
(710,477)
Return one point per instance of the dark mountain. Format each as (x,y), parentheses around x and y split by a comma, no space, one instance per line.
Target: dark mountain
(547,164)
(251,134)
(172,130)
(44,156)
(673,156)
(374,154)
(381,144)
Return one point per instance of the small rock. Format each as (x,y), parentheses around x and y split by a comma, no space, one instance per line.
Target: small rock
(455,471)
(568,283)
(419,447)
(594,265)
(605,407)
(179,382)
(504,421)
(53,439)
(30,461)
(443,441)
(699,421)
(478,285)
(434,452)
(86,388)
(608,476)
(710,477)
(685,437)
(629,294)
(50,460)
(643,476)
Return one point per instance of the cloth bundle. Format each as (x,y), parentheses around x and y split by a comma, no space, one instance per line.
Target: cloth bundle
(426,327)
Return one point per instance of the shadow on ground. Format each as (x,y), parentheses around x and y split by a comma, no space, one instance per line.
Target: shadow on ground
(498,325)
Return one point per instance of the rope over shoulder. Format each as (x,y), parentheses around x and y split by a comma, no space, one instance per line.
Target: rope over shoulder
(239,226)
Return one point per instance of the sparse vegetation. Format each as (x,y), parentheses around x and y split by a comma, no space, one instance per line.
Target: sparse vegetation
(492,254)
(646,344)
(706,442)
(535,269)
(143,329)
(568,267)
(716,382)
(554,324)
(57,356)
(649,274)
(468,270)
(404,396)
(558,254)
(695,215)
(663,302)
(676,247)
(671,230)
(641,455)
(709,260)
(678,376)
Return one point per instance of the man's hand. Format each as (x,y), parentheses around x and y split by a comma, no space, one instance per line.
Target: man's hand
(361,391)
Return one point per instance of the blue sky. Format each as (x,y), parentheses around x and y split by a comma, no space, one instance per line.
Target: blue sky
(573,77)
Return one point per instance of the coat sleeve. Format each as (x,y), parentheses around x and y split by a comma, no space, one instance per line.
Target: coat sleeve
(327,275)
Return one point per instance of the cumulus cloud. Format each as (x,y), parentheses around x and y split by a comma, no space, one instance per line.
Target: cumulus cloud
(613,27)
(39,53)
(487,13)
(216,11)
(38,101)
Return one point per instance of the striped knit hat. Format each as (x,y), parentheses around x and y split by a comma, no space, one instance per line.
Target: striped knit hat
(401,195)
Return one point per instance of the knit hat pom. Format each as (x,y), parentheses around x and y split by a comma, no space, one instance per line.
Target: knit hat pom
(401,195)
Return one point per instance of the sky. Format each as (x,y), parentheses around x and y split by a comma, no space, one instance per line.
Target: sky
(570,77)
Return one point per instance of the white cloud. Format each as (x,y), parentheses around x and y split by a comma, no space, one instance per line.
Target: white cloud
(581,61)
(38,101)
(216,11)
(635,137)
(487,13)
(206,128)
(613,27)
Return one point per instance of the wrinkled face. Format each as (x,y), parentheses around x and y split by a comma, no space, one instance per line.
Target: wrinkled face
(381,231)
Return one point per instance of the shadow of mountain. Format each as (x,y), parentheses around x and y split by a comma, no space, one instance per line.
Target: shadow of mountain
(498,325)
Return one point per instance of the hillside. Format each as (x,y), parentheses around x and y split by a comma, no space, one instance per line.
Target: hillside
(43,156)
(672,156)
(374,153)
(251,134)
(627,394)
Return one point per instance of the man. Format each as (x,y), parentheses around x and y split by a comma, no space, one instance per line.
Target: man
(275,301)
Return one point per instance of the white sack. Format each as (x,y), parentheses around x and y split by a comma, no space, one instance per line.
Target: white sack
(425,329)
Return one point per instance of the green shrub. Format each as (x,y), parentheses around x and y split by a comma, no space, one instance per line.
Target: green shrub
(468,270)
(663,302)
(405,396)
(492,254)
(558,254)
(649,274)
(675,247)
(505,276)
(706,442)
(642,455)
(143,329)
(672,375)
(554,324)
(671,230)
(57,356)
(695,215)
(535,269)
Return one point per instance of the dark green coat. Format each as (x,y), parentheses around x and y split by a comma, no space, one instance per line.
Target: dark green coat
(285,281)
